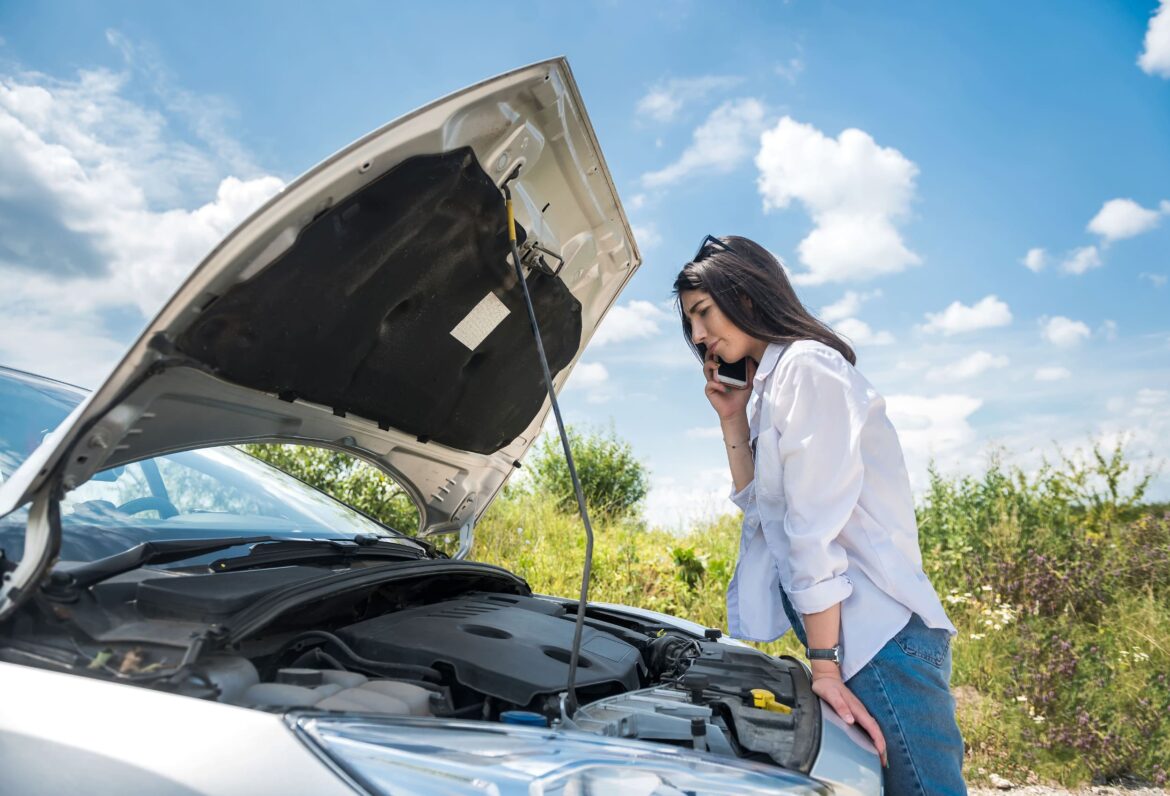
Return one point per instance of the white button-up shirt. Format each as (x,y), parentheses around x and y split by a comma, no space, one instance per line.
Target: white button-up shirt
(829,516)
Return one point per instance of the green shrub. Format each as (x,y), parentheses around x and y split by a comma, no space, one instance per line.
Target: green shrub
(1059,584)
(612,479)
(348,479)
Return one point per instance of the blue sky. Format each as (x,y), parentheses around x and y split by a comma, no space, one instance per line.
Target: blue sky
(978,195)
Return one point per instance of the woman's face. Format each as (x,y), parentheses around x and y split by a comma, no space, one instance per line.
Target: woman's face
(710,327)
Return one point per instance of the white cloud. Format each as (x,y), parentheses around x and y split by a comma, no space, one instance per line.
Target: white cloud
(1064,332)
(988,312)
(647,235)
(853,189)
(719,144)
(1054,373)
(1086,258)
(677,504)
(859,332)
(1148,397)
(847,306)
(1155,57)
(1157,280)
(968,367)
(1122,218)
(1108,331)
(664,101)
(791,69)
(705,432)
(932,428)
(104,209)
(1035,260)
(75,348)
(588,375)
(591,378)
(636,320)
(637,201)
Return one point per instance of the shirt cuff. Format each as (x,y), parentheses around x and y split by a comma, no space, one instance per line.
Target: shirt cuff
(743,498)
(821,596)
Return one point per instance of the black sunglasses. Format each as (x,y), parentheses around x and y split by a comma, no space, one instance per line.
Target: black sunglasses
(711,240)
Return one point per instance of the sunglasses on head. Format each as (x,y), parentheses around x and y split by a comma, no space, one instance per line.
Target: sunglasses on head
(710,241)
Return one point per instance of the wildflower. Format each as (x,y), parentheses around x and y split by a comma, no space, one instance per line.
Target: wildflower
(1021,698)
(978,636)
(1038,719)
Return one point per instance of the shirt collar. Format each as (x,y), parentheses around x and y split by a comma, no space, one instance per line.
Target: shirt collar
(772,356)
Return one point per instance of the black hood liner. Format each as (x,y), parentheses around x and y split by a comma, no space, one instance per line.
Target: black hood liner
(358,314)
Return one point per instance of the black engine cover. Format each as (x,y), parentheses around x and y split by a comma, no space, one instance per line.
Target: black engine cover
(509,647)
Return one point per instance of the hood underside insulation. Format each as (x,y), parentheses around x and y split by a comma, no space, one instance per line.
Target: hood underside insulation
(400,305)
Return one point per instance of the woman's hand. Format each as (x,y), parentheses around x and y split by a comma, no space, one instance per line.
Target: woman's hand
(833,690)
(728,401)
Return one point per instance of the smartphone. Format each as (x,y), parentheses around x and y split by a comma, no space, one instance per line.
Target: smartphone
(733,374)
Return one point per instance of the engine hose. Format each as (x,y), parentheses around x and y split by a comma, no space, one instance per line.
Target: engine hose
(398,670)
(319,656)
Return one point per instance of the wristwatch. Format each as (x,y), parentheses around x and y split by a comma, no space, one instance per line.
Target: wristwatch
(831,654)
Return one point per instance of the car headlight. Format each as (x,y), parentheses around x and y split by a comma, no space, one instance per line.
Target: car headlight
(427,756)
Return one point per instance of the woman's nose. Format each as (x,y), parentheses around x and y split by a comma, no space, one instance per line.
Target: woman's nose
(698,333)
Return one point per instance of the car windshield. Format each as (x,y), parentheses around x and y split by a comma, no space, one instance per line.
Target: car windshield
(212,492)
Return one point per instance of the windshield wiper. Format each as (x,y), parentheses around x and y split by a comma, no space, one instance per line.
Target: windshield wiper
(163,551)
(288,551)
(267,550)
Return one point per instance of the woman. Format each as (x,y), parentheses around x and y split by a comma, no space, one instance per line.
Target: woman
(829,544)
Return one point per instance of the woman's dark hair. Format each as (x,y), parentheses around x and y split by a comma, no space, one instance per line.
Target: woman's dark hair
(749,286)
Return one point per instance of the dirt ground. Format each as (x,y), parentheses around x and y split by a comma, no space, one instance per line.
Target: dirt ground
(1043,790)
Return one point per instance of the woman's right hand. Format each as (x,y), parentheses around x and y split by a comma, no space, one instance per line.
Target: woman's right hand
(729,402)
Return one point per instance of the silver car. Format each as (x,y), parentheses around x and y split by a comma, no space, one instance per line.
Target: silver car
(178,617)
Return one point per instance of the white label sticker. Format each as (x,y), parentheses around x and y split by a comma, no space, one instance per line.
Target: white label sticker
(480,322)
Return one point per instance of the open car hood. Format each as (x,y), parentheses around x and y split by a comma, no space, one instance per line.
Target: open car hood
(372,307)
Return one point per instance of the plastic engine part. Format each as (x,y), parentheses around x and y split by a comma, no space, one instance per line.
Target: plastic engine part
(343,691)
(653,714)
(506,646)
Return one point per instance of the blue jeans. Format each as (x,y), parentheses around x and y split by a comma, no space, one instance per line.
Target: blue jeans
(906,688)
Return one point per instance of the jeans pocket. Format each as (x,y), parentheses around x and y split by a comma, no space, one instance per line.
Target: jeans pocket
(926,643)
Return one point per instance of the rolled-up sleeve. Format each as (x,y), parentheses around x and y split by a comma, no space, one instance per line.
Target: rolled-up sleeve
(817,469)
(743,498)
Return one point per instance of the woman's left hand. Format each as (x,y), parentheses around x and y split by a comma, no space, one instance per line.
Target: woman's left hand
(832,689)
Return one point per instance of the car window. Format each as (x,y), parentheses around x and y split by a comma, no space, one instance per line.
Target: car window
(109,489)
(30,407)
(209,492)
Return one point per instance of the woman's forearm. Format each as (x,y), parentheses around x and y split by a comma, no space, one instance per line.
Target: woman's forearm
(739,450)
(823,630)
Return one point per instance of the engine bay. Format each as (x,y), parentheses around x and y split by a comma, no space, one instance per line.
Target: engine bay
(475,644)
(504,657)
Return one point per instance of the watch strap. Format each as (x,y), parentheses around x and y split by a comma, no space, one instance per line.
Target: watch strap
(830,654)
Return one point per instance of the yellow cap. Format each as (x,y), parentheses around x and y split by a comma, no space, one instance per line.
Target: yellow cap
(765,700)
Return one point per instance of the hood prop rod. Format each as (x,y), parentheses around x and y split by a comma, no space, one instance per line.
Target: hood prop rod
(574,656)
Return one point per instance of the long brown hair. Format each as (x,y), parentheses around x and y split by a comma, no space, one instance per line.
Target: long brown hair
(750,287)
